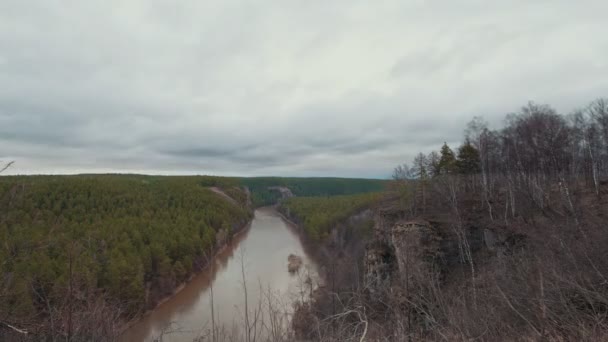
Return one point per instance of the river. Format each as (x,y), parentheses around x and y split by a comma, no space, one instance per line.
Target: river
(261,251)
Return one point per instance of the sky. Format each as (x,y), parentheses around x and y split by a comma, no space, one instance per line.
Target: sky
(279,87)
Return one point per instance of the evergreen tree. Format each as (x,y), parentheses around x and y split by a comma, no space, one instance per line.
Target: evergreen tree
(447,162)
(420,168)
(468,161)
(433,164)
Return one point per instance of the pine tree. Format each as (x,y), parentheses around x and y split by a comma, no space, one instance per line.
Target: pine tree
(420,167)
(447,162)
(468,161)
(433,164)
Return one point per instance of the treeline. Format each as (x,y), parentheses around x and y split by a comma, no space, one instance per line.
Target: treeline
(500,239)
(319,215)
(538,150)
(77,252)
(307,187)
(519,213)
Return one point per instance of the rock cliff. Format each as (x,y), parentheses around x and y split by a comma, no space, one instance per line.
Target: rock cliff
(407,252)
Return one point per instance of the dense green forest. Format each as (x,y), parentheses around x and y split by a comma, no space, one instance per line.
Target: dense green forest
(114,245)
(68,240)
(319,215)
(307,187)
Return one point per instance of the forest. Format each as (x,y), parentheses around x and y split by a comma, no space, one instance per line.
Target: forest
(307,187)
(82,253)
(317,216)
(502,238)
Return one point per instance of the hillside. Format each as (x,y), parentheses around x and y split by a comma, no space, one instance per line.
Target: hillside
(105,245)
(318,216)
(503,239)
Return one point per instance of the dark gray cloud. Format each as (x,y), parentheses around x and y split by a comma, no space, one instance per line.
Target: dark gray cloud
(346,88)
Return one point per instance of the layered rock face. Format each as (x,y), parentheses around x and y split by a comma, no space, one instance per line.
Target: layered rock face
(417,248)
(410,253)
(404,252)
(379,264)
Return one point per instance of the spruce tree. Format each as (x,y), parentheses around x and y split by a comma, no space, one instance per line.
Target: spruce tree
(447,162)
(468,161)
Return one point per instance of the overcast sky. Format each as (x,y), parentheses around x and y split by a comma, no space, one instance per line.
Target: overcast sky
(279,87)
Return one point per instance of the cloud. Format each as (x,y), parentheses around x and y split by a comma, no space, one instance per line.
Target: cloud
(340,88)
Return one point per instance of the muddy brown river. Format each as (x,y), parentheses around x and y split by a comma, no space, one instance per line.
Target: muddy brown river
(261,252)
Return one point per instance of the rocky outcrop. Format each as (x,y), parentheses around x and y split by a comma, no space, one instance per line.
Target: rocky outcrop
(413,251)
(294,263)
(410,251)
(284,191)
(379,264)
(417,250)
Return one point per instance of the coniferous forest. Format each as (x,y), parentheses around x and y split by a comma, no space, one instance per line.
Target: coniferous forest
(89,252)
(106,245)
(317,216)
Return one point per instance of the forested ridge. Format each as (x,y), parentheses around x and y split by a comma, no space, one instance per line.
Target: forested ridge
(107,245)
(309,187)
(317,216)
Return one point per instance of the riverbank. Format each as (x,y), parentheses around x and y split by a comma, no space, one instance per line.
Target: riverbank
(320,249)
(187,314)
(340,254)
(236,238)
